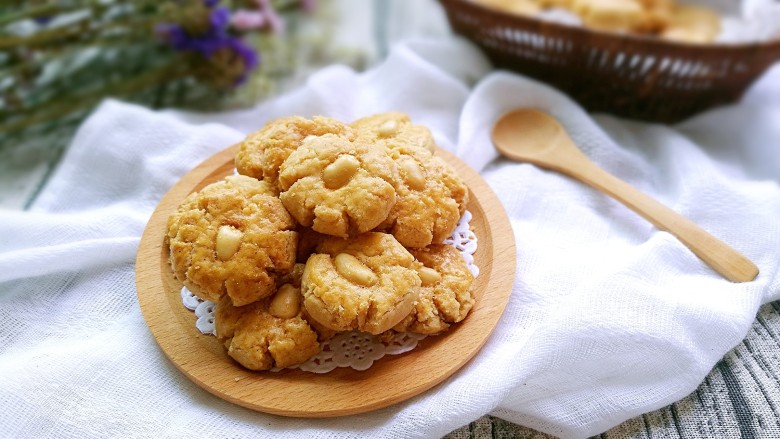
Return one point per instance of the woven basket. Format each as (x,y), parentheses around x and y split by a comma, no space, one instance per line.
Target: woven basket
(627,75)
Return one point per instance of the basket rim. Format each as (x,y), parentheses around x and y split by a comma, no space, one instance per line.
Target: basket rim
(617,38)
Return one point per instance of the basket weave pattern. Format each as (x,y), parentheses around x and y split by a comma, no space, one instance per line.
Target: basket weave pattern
(627,75)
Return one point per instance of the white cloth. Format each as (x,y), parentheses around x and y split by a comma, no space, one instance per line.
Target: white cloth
(609,317)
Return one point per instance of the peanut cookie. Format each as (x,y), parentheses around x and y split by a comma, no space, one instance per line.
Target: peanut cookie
(519,7)
(232,238)
(263,151)
(692,24)
(446,294)
(338,187)
(611,15)
(430,199)
(658,13)
(392,129)
(270,333)
(368,283)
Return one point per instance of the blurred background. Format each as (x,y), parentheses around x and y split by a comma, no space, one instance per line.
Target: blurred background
(653,60)
(59,59)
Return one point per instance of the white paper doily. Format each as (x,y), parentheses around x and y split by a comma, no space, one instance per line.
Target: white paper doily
(357,350)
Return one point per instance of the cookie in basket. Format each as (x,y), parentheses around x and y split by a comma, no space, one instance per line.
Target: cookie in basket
(612,15)
(658,14)
(520,7)
(262,153)
(446,293)
(338,187)
(692,24)
(232,238)
(273,332)
(368,283)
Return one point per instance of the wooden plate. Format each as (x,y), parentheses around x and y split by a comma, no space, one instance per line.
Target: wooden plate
(343,391)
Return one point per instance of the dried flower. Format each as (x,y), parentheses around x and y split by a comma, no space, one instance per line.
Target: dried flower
(60,58)
(213,42)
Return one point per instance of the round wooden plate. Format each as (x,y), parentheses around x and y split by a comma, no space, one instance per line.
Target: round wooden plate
(342,391)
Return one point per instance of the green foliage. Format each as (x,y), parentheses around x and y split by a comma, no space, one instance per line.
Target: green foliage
(59,58)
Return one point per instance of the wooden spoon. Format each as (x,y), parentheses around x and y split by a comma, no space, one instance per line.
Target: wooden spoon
(533,136)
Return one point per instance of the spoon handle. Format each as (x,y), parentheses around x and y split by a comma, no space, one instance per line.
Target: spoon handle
(714,252)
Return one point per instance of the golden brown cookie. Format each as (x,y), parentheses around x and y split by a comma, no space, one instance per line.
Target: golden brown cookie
(367,283)
(393,129)
(611,15)
(519,7)
(430,199)
(446,294)
(266,334)
(563,4)
(692,24)
(232,238)
(337,187)
(263,151)
(658,13)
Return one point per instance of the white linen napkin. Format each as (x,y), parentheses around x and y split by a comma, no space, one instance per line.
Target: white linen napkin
(609,317)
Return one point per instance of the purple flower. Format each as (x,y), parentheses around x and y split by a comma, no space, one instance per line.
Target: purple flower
(220,18)
(248,56)
(215,41)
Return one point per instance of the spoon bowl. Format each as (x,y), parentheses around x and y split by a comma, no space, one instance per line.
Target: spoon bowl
(533,136)
(539,138)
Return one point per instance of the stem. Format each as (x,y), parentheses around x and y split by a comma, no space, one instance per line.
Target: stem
(33,12)
(80,81)
(285,5)
(62,52)
(168,72)
(61,36)
(56,9)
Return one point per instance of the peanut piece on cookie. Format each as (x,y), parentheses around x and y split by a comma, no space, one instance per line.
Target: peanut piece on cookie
(367,283)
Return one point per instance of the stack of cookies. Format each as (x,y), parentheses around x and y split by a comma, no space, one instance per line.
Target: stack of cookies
(667,19)
(327,227)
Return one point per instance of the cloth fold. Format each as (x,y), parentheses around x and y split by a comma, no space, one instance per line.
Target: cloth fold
(609,317)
